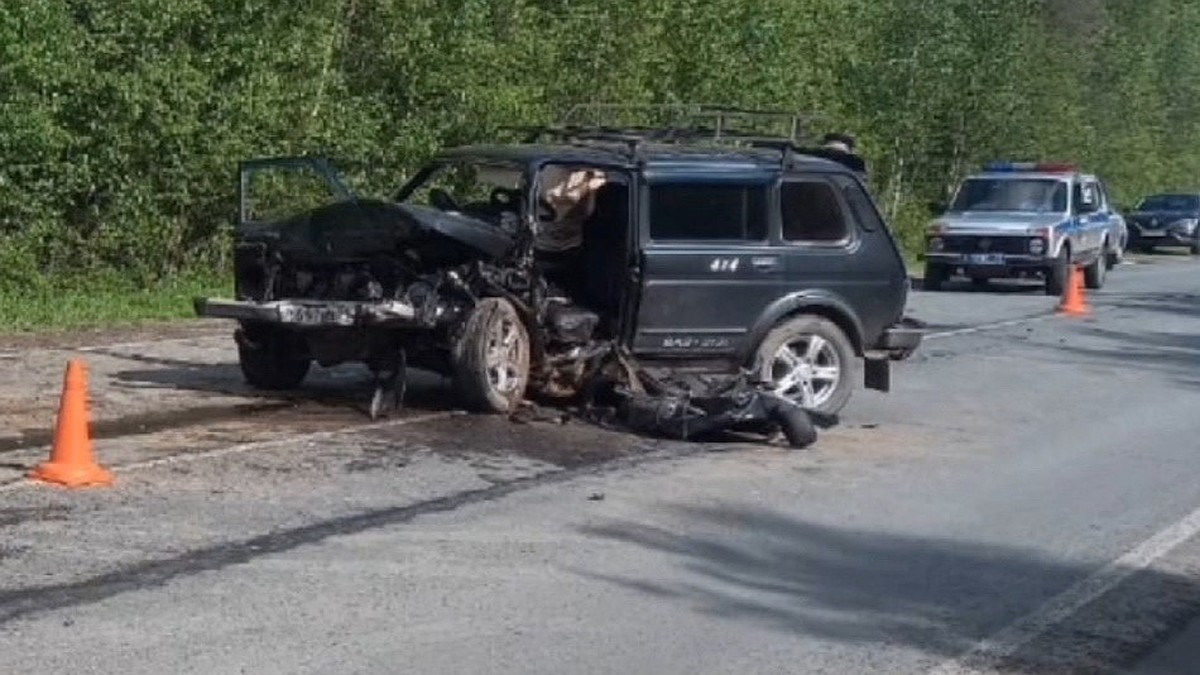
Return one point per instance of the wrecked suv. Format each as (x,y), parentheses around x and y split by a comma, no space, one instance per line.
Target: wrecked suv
(511,268)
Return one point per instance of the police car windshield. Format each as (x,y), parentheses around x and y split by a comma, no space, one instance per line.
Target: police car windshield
(1039,195)
(1170,203)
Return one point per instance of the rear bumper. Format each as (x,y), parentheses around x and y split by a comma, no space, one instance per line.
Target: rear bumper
(309,313)
(902,339)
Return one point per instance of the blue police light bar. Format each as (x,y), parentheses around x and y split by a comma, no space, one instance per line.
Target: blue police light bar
(1043,167)
(1005,167)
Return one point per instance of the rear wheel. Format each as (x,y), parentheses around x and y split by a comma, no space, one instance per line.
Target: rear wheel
(809,361)
(1095,273)
(1115,254)
(271,359)
(491,358)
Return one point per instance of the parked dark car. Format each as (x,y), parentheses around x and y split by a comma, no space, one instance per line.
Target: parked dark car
(1168,219)
(698,256)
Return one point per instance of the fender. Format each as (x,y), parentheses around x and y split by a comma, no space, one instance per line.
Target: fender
(812,301)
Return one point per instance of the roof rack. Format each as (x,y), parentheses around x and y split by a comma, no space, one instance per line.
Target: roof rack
(634,125)
(585,124)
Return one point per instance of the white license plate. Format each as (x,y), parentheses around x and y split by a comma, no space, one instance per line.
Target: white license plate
(313,316)
(1153,233)
(985,259)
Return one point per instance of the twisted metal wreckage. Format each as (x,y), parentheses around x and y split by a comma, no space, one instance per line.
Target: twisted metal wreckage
(466,289)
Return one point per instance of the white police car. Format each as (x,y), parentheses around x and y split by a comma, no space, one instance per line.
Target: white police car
(1025,220)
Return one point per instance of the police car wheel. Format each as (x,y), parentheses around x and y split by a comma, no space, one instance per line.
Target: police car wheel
(1095,273)
(934,277)
(1056,276)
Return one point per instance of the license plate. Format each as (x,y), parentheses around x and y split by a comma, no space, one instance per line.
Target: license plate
(313,315)
(1153,233)
(985,259)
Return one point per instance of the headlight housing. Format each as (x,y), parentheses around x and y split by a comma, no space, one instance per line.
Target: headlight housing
(937,244)
(1037,246)
(1187,225)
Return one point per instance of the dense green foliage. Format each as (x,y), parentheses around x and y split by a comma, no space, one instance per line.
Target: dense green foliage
(121,122)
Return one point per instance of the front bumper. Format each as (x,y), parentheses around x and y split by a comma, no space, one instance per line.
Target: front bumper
(1168,237)
(310,313)
(998,263)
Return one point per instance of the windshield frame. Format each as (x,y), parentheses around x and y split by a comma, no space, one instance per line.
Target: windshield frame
(1059,183)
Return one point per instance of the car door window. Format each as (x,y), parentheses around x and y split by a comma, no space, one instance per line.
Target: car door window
(1087,198)
(708,212)
(812,213)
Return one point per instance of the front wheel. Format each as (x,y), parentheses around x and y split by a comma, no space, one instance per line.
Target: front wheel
(935,275)
(1057,275)
(271,359)
(809,361)
(491,358)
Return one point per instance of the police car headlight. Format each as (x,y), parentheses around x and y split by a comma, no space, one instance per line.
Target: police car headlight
(936,244)
(1037,246)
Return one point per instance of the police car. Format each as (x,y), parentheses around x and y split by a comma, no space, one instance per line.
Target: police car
(1025,220)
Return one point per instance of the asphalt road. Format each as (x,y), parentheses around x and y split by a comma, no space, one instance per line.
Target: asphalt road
(1027,497)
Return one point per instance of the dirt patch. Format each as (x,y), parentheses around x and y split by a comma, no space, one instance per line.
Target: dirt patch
(146,332)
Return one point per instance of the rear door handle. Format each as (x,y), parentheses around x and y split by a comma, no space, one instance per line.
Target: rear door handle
(765,263)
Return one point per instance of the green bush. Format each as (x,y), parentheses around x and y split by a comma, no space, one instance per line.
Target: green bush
(121,122)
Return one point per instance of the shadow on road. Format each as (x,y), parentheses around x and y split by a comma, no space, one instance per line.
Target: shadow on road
(342,387)
(1147,348)
(938,596)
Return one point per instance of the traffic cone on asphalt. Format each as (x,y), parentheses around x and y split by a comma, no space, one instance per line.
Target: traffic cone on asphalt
(72,459)
(1073,301)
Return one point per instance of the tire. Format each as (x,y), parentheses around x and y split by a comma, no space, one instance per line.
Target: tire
(274,361)
(1057,276)
(1115,256)
(490,359)
(979,283)
(934,277)
(785,371)
(797,427)
(1095,273)
(1194,248)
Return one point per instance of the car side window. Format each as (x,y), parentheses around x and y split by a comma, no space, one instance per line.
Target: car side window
(861,206)
(812,212)
(1087,198)
(708,212)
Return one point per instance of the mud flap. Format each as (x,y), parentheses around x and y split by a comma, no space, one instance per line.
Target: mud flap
(877,374)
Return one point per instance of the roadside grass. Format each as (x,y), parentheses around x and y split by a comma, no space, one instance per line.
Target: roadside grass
(103,305)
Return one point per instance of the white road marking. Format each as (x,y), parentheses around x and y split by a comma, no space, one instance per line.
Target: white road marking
(256,445)
(1006,324)
(1063,606)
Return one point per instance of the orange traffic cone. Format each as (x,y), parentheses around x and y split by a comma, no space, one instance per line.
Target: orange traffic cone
(72,460)
(1073,302)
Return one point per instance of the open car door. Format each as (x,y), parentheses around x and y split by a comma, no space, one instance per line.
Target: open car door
(275,188)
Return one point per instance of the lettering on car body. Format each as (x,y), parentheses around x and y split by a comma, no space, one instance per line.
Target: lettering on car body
(696,342)
(724,265)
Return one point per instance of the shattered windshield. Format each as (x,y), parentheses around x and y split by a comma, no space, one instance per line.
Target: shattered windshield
(1170,203)
(1039,195)
(485,190)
